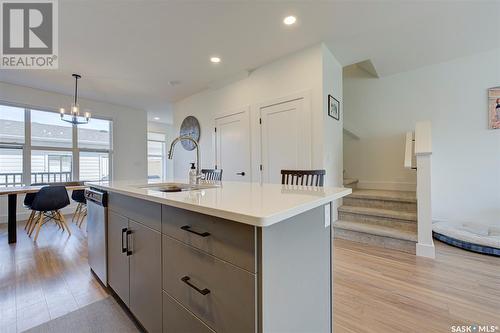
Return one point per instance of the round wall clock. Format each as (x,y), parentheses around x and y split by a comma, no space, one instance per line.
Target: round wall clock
(190,127)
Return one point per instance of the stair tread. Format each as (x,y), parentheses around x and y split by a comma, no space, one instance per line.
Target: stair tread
(380,212)
(377,230)
(403,196)
(350,181)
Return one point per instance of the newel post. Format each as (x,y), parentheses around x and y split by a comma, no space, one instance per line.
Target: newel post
(423,152)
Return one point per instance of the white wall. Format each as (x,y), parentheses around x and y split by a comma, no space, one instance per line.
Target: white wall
(298,72)
(332,140)
(466,154)
(333,129)
(313,70)
(129,129)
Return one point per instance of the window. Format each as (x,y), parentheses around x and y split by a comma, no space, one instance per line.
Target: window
(56,151)
(156,156)
(94,166)
(11,166)
(51,166)
(95,135)
(47,130)
(11,124)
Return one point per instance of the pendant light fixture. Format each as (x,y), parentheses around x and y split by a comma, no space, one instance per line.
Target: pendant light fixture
(74,117)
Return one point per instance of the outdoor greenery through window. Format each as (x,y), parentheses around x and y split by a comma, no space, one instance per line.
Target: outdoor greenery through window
(37,147)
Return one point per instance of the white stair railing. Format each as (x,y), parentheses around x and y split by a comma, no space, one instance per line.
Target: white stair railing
(423,153)
(418,155)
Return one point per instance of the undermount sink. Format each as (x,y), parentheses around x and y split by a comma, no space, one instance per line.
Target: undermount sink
(178,187)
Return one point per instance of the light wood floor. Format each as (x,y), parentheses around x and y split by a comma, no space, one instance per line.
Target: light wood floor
(376,290)
(42,281)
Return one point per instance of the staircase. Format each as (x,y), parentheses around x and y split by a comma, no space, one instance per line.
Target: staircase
(378,217)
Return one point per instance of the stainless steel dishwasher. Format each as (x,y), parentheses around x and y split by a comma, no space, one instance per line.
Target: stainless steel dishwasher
(97,224)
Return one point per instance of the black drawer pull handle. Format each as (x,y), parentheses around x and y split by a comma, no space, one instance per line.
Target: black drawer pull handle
(129,252)
(240,173)
(124,248)
(186,279)
(188,229)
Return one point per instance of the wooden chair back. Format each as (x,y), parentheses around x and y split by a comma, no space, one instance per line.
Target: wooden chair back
(303,177)
(212,174)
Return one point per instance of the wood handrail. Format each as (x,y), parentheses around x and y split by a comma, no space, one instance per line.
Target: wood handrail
(409,150)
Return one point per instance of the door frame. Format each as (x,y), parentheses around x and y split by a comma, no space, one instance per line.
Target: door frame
(242,109)
(305,95)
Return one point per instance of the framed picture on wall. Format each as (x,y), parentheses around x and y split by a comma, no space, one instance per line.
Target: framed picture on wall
(333,107)
(494,107)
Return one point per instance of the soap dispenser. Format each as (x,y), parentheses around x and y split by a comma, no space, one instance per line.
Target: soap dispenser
(192,175)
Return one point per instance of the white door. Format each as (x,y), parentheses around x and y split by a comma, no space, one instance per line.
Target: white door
(232,145)
(285,138)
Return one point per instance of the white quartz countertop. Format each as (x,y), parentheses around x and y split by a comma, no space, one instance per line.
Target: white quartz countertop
(256,204)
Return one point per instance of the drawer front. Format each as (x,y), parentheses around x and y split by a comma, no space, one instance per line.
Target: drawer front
(177,319)
(220,294)
(142,211)
(230,241)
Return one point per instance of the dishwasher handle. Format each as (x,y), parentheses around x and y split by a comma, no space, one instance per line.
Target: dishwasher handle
(95,196)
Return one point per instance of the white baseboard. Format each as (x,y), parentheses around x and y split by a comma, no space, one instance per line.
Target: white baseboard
(25,214)
(381,185)
(426,250)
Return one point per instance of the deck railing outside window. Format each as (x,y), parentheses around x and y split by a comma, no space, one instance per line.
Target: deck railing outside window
(15,179)
(11,179)
(50,177)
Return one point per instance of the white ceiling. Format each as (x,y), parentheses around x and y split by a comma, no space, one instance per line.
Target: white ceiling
(128,51)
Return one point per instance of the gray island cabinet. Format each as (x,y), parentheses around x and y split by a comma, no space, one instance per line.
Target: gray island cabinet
(182,269)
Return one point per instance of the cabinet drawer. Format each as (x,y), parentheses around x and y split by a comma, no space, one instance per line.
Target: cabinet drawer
(177,319)
(231,241)
(220,294)
(142,211)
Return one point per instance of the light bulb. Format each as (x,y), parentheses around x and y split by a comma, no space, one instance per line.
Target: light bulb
(289,20)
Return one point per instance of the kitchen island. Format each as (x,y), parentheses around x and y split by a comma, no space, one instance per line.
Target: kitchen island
(238,257)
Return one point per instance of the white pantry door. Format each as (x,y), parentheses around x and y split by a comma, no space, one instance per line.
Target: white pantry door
(232,145)
(285,138)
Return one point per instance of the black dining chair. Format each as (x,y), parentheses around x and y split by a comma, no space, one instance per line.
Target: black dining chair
(303,177)
(28,201)
(81,208)
(212,174)
(47,203)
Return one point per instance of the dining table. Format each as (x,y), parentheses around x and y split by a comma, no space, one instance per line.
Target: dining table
(13,192)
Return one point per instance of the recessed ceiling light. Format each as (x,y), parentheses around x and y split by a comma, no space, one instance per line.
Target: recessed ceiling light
(289,20)
(156,118)
(215,60)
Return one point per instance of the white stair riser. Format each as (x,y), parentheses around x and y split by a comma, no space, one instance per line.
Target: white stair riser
(385,242)
(383,204)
